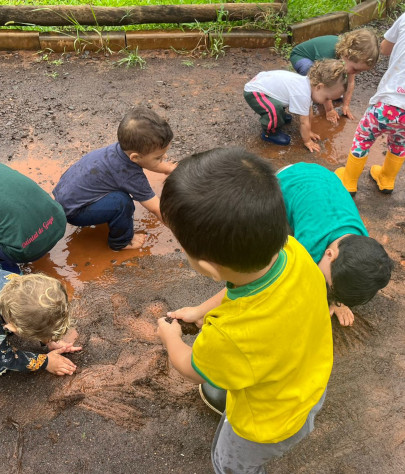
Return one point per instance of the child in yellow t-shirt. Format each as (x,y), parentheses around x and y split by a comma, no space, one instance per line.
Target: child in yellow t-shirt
(265,338)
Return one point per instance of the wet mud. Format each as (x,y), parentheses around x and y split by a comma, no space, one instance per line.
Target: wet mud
(126,409)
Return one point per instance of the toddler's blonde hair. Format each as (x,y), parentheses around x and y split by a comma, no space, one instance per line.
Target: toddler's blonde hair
(37,305)
(328,72)
(359,46)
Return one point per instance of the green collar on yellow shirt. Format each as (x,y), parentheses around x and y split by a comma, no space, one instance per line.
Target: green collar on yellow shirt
(261,283)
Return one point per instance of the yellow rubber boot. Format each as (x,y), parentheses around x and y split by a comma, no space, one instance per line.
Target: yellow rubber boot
(385,175)
(350,174)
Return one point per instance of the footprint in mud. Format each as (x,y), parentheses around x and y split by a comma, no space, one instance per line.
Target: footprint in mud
(140,325)
(139,381)
(128,392)
(352,338)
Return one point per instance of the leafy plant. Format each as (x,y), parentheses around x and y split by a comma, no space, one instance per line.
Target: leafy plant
(380,8)
(131,59)
(52,74)
(212,40)
(188,62)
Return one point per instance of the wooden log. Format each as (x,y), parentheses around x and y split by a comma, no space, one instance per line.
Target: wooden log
(86,15)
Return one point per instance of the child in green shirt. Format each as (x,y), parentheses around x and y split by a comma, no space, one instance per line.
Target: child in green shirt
(358,49)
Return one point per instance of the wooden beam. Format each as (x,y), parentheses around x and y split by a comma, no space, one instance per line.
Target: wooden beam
(86,15)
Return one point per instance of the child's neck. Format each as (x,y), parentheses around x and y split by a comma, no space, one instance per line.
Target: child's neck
(241,279)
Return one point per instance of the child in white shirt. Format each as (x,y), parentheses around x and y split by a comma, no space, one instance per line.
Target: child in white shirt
(270,92)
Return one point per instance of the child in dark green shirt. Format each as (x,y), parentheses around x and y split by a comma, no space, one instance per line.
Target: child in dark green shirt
(358,49)
(31,222)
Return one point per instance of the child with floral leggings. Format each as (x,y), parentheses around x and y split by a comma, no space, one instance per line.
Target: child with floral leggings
(385,115)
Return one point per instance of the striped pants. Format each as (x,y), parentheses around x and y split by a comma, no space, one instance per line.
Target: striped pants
(271,111)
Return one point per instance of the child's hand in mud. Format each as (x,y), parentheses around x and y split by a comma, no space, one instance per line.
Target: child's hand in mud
(311,145)
(67,342)
(332,116)
(189,314)
(346,111)
(168,330)
(66,346)
(59,365)
(343,313)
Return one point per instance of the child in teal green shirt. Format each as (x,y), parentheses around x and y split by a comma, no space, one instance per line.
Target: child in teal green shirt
(325,220)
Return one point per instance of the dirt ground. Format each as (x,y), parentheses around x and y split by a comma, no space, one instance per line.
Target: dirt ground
(126,410)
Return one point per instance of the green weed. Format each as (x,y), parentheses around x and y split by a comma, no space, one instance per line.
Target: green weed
(131,59)
(188,62)
(380,8)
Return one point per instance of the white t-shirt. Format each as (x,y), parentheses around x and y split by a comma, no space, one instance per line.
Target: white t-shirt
(391,89)
(291,89)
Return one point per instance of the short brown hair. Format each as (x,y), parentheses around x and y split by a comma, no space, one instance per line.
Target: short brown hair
(37,305)
(359,46)
(328,72)
(143,131)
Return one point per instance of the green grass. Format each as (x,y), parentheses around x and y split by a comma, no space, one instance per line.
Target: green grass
(297,11)
(115,3)
(301,9)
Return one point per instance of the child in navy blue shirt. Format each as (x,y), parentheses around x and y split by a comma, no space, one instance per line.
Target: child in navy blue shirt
(101,187)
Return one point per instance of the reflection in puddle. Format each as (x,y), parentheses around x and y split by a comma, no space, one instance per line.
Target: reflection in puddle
(83,254)
(336,141)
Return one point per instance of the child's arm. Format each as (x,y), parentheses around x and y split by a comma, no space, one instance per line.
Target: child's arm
(347,97)
(386,47)
(153,206)
(16,360)
(179,352)
(195,314)
(343,313)
(306,133)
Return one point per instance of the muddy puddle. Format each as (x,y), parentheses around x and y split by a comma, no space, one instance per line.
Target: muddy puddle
(83,255)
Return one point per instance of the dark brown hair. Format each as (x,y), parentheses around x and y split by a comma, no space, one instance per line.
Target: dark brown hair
(225,206)
(143,131)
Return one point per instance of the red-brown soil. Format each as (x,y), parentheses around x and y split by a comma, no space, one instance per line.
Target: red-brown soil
(126,410)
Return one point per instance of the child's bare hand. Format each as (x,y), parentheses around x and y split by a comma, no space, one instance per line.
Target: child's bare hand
(68,339)
(66,346)
(189,314)
(170,166)
(332,116)
(167,331)
(346,111)
(59,365)
(343,313)
(312,146)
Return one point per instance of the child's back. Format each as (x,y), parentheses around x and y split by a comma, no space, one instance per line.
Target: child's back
(31,222)
(101,187)
(97,174)
(270,345)
(267,337)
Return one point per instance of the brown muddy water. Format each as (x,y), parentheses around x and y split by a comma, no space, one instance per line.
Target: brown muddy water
(83,255)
